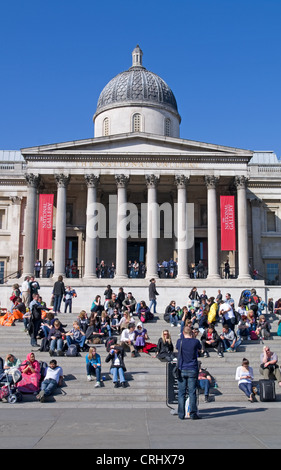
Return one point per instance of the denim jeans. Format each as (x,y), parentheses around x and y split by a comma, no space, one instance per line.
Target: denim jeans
(56,344)
(188,380)
(91,370)
(57,303)
(80,343)
(246,388)
(227,344)
(174,320)
(153,304)
(49,386)
(117,371)
(204,384)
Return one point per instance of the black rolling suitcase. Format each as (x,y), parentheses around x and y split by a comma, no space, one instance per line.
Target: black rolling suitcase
(267,390)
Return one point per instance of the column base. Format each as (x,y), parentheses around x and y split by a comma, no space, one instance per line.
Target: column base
(89,277)
(245,277)
(151,276)
(183,276)
(213,276)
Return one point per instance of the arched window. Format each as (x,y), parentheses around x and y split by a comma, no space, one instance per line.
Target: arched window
(167,127)
(137,122)
(106,126)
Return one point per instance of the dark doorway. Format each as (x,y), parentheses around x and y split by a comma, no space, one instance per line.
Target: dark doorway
(71,257)
(136,252)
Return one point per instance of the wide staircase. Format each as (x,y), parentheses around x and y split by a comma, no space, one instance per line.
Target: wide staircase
(146,375)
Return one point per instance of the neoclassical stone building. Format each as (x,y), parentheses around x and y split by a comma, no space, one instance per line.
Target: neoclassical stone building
(138,158)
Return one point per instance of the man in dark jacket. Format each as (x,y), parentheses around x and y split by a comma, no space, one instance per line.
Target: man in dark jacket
(211,339)
(188,349)
(152,294)
(117,369)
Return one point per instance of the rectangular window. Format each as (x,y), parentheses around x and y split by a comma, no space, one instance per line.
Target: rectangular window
(2,271)
(271,221)
(2,219)
(272,273)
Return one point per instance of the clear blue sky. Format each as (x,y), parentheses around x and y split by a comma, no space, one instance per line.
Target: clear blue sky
(220,57)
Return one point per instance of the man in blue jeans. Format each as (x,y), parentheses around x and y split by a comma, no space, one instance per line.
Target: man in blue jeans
(188,348)
(52,380)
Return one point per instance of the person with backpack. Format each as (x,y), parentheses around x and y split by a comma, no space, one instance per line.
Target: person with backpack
(35,319)
(229,339)
(56,338)
(76,336)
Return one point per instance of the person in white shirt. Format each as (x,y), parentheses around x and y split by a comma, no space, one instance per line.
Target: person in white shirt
(245,377)
(25,292)
(53,379)
(227,314)
(127,339)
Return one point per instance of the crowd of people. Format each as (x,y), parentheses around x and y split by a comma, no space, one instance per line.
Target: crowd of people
(121,323)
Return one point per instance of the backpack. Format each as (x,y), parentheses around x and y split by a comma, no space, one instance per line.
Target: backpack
(72,351)
(237,317)
(245,296)
(110,342)
(45,345)
(43,368)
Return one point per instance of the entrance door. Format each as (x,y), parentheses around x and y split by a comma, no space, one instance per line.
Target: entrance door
(201,251)
(71,257)
(136,252)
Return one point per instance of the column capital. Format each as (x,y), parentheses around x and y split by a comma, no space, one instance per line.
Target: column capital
(121,181)
(152,181)
(211,181)
(92,180)
(62,180)
(241,181)
(32,180)
(181,181)
(16,200)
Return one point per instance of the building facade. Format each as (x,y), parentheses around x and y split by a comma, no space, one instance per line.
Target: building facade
(127,193)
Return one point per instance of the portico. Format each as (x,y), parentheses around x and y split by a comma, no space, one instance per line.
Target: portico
(137,187)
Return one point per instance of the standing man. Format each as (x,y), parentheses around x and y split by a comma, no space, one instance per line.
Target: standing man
(69,294)
(188,348)
(25,292)
(152,294)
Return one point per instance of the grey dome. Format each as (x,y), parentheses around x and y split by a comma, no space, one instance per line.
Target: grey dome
(137,85)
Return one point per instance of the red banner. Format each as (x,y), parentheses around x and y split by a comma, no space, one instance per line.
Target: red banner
(228,238)
(45,221)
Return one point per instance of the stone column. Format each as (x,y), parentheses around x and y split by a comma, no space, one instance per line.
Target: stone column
(181,182)
(91,235)
(243,250)
(15,234)
(30,224)
(121,233)
(152,226)
(256,235)
(213,270)
(62,183)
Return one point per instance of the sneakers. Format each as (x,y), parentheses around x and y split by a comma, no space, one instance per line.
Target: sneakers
(90,378)
(97,385)
(41,396)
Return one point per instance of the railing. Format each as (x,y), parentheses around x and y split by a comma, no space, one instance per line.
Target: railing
(15,275)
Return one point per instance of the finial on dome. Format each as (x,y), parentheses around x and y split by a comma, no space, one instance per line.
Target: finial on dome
(137,57)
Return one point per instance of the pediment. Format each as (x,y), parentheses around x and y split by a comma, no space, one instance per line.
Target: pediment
(134,144)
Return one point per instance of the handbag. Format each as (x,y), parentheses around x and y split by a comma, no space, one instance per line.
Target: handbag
(177,371)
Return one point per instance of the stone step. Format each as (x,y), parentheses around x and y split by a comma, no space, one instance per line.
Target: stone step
(146,375)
